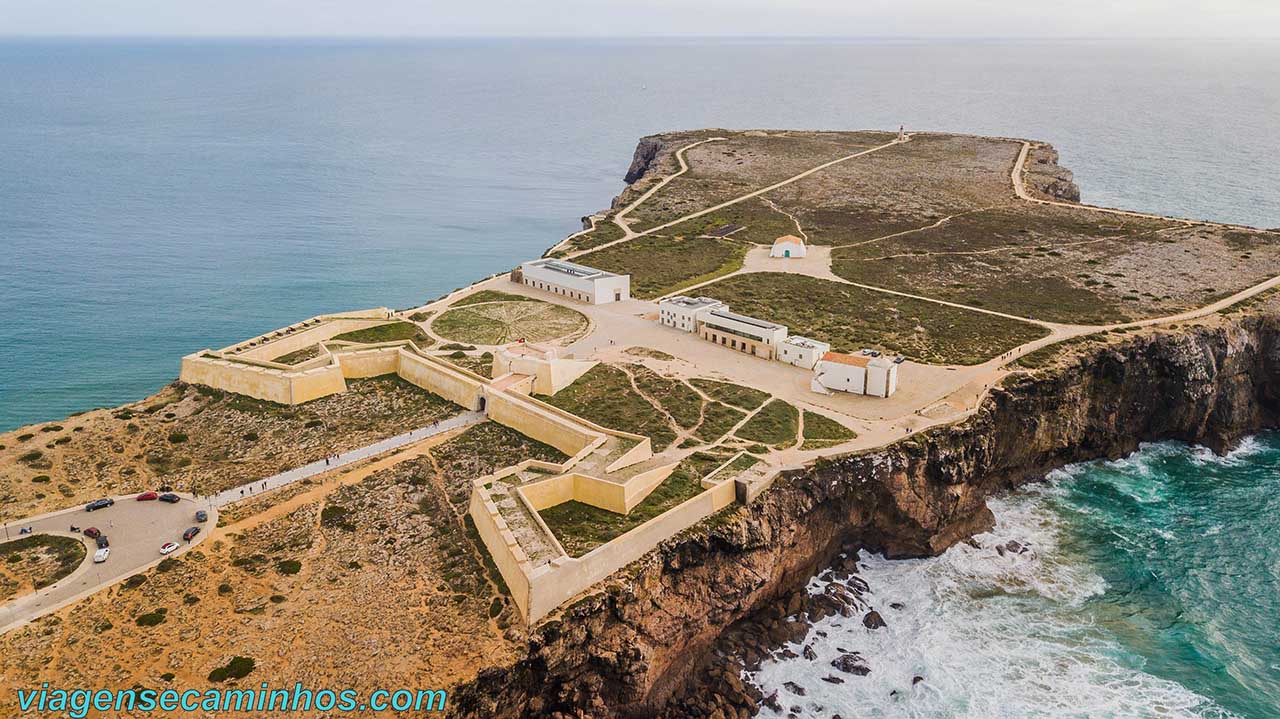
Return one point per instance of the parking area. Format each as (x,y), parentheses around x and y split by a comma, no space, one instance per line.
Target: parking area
(135,530)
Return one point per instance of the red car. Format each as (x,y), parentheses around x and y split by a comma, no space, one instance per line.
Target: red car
(147,496)
(92,532)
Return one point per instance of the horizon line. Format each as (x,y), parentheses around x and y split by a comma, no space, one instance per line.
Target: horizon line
(641,36)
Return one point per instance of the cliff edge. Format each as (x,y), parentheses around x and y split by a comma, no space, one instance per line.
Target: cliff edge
(639,645)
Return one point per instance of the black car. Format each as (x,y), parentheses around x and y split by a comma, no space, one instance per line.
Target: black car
(170,497)
(102,541)
(99,504)
(190,533)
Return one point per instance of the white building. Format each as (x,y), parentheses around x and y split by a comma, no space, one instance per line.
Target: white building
(683,313)
(740,332)
(856,374)
(788,246)
(802,351)
(577,282)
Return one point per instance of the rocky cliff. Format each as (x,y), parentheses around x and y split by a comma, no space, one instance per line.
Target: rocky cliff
(647,150)
(639,646)
(1048,179)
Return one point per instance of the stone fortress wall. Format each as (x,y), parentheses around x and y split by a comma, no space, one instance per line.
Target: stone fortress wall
(248,368)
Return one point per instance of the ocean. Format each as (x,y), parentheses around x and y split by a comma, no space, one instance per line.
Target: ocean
(159,197)
(1151,589)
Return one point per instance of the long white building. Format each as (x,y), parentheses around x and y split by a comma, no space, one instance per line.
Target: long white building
(577,282)
(684,313)
(742,333)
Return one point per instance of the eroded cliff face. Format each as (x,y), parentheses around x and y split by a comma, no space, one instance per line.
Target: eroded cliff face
(640,646)
(647,150)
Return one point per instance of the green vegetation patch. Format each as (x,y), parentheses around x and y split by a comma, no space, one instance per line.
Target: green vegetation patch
(821,431)
(603,233)
(740,464)
(309,352)
(718,419)
(761,223)
(850,318)
(1049,354)
(677,398)
(44,558)
(491,296)
(498,323)
(237,668)
(604,395)
(660,265)
(151,619)
(730,393)
(776,424)
(478,364)
(649,352)
(582,527)
(390,332)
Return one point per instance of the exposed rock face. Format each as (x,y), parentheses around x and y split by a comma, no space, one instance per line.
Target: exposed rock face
(1046,177)
(647,150)
(637,647)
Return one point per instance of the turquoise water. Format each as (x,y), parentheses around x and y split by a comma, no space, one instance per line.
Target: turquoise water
(160,197)
(1152,589)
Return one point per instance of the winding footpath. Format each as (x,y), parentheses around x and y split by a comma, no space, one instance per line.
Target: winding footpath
(728,203)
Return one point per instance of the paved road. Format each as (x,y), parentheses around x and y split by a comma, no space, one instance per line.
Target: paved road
(275,481)
(135,529)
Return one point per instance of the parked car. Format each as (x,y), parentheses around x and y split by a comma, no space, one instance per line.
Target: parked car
(99,504)
(147,496)
(899,359)
(101,539)
(190,533)
(169,497)
(202,516)
(92,532)
(168,547)
(101,555)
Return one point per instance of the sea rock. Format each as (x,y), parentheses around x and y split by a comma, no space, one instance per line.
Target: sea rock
(794,688)
(873,620)
(851,663)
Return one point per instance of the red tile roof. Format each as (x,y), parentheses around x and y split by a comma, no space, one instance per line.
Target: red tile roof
(842,358)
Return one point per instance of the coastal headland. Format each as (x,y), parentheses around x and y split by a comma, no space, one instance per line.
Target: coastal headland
(618,516)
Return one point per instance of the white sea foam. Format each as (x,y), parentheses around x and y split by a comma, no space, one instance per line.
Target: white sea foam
(1248,447)
(993,636)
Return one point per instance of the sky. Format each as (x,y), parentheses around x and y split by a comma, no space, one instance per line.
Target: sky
(612,18)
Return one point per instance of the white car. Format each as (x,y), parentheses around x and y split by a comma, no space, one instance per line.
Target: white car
(168,547)
(101,555)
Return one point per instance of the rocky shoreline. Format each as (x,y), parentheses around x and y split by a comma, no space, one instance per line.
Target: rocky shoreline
(665,639)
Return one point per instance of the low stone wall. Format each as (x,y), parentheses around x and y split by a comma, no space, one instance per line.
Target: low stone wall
(510,559)
(273,385)
(562,579)
(442,378)
(530,418)
(308,332)
(637,454)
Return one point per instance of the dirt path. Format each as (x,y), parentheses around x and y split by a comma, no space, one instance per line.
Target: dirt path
(619,218)
(774,206)
(740,198)
(1019,189)
(338,477)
